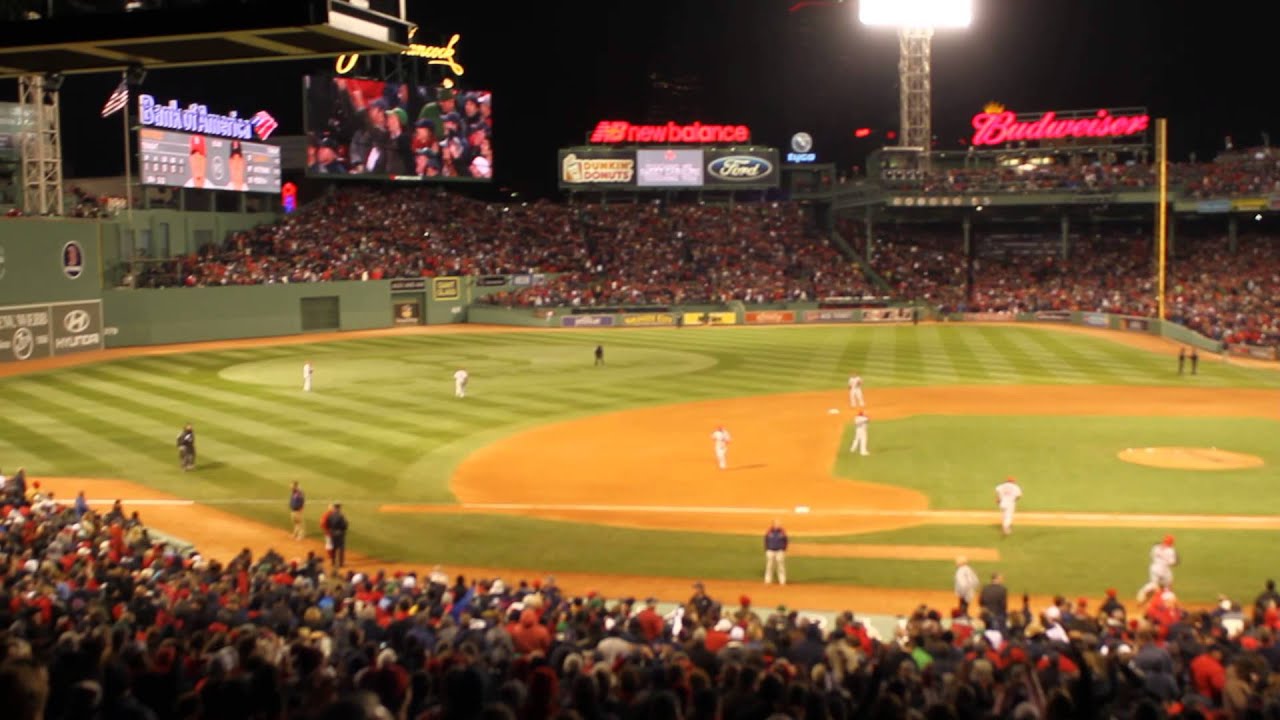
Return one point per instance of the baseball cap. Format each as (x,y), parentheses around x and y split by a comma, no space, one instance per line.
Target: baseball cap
(198,146)
(401,115)
(445,94)
(424,123)
(1168,539)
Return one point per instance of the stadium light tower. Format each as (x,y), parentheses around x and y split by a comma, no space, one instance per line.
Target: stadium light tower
(915,21)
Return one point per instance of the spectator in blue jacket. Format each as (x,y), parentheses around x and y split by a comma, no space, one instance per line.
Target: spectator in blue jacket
(775,554)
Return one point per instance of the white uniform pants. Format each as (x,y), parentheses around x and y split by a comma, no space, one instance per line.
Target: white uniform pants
(306,384)
(1006,520)
(722,458)
(859,441)
(775,565)
(459,389)
(1158,576)
(855,398)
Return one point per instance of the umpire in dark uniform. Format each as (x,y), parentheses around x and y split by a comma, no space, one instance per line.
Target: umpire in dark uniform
(599,355)
(338,532)
(994,599)
(187,447)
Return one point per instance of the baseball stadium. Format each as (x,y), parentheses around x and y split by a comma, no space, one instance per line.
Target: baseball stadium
(722,427)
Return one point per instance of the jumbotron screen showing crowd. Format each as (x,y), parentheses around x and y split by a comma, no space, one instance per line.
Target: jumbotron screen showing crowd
(376,129)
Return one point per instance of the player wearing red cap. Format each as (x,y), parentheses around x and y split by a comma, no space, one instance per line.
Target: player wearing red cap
(1160,571)
(197,163)
(1007,495)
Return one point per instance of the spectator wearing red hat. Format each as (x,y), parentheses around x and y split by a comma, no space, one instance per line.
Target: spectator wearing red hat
(1160,572)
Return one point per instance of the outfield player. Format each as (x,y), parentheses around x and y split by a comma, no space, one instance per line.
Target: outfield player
(460,383)
(721,440)
(1160,571)
(860,434)
(1007,495)
(307,371)
(855,391)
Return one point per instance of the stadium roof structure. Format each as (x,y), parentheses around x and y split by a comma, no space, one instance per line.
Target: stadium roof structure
(206,34)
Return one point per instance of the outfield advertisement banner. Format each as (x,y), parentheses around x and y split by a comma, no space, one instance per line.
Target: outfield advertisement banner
(988,317)
(586,321)
(649,319)
(879,315)
(407,313)
(29,332)
(1254,351)
(1093,319)
(710,318)
(770,317)
(1135,324)
(833,316)
(585,168)
(1054,316)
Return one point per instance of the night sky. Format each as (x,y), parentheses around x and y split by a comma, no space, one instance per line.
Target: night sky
(557,68)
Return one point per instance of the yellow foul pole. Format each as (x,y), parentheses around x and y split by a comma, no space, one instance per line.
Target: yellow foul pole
(1162,209)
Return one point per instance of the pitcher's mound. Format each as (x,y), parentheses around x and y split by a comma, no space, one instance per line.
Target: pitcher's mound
(1190,458)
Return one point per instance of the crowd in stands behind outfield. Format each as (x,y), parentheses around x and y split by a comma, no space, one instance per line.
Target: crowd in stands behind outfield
(604,254)
(1233,297)
(1255,173)
(98,621)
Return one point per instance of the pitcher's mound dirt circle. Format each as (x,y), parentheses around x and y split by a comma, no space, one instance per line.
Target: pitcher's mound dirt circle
(1189,458)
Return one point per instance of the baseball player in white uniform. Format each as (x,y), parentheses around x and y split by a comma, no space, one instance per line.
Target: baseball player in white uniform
(1007,494)
(855,391)
(860,434)
(460,383)
(1160,572)
(721,440)
(307,371)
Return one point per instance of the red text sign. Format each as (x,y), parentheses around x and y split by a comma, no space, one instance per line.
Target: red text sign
(998,128)
(611,132)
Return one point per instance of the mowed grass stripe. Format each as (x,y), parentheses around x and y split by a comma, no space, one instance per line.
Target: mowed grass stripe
(1026,367)
(114,443)
(297,426)
(234,479)
(1092,362)
(40,452)
(1054,363)
(258,440)
(960,353)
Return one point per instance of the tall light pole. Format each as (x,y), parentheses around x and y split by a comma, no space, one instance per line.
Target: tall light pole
(915,21)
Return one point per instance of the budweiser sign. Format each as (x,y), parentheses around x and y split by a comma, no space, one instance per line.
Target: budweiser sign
(612,132)
(997,126)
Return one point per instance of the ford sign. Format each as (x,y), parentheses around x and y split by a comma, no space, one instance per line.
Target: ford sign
(740,168)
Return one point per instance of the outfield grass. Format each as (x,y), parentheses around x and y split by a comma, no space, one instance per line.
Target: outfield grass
(383,426)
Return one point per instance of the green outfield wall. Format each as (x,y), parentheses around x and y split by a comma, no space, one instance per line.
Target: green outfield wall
(49,260)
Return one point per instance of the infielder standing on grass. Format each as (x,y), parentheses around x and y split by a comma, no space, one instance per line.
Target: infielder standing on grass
(855,391)
(1160,572)
(721,440)
(1007,494)
(307,371)
(860,434)
(460,383)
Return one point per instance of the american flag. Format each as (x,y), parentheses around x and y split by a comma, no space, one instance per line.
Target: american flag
(263,124)
(117,101)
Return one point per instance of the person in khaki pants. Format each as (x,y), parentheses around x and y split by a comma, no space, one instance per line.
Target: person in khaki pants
(775,554)
(296,502)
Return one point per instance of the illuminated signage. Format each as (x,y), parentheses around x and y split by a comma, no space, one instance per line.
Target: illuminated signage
(801,149)
(196,118)
(611,132)
(740,168)
(446,55)
(597,171)
(997,126)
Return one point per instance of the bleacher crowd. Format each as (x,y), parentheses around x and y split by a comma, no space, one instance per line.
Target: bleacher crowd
(99,620)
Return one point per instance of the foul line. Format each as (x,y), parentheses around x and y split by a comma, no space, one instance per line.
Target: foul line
(941,517)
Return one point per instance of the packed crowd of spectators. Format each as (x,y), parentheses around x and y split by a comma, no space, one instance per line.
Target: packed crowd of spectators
(1251,173)
(650,254)
(99,620)
(1224,295)
(603,254)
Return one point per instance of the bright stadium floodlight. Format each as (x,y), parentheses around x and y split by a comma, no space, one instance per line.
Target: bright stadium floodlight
(931,14)
(915,21)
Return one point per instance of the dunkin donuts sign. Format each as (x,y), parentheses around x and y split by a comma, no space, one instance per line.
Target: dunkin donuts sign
(996,126)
